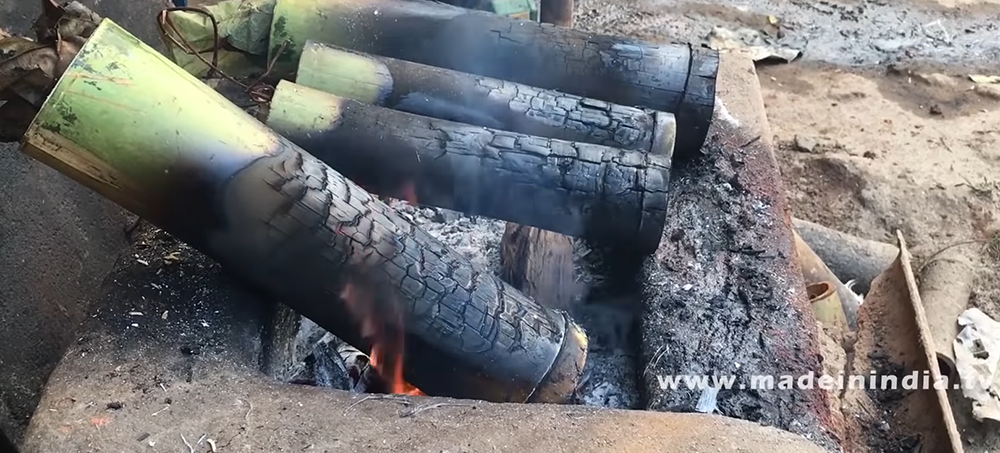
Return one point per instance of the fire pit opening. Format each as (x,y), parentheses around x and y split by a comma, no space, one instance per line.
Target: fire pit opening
(597,294)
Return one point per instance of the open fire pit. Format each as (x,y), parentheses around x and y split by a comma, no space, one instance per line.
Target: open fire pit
(404,297)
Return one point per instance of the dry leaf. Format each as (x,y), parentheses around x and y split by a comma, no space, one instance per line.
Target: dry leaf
(984,79)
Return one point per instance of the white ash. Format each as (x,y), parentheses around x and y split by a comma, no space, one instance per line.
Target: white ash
(476,238)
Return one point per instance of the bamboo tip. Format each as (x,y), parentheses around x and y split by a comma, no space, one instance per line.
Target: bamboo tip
(559,384)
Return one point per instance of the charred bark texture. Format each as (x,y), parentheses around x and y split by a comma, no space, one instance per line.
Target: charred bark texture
(674,78)
(468,333)
(483,101)
(603,194)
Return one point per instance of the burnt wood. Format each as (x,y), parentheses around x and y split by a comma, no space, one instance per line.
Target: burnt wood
(482,101)
(675,78)
(604,194)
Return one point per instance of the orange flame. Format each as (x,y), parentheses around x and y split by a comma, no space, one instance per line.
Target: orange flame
(386,355)
(393,373)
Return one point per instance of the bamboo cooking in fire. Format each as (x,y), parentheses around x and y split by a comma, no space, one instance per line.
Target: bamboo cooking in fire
(607,195)
(482,101)
(129,124)
(673,78)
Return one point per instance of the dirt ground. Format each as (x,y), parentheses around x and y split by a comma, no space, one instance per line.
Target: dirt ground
(878,124)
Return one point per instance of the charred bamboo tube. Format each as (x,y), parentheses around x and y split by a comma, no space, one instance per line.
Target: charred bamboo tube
(197,166)
(604,194)
(850,257)
(482,101)
(673,78)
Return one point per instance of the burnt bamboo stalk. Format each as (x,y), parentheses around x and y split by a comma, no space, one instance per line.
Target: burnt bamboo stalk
(673,78)
(612,196)
(482,101)
(199,167)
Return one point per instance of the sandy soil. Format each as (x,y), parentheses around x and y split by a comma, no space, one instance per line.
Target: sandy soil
(878,125)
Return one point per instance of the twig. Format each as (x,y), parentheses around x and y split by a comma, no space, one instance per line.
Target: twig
(163,20)
(945,144)
(412,412)
(202,439)
(930,259)
(754,140)
(399,399)
(161,410)
(190,448)
(656,358)
(246,418)
(212,444)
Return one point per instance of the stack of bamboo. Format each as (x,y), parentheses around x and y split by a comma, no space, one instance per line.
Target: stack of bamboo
(543,126)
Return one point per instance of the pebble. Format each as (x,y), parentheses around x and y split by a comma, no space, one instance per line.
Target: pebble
(806,144)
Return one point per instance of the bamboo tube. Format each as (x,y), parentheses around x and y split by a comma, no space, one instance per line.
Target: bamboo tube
(603,194)
(482,101)
(814,270)
(826,304)
(674,78)
(849,257)
(129,124)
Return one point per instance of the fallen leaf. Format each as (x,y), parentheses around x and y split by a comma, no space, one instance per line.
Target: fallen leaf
(984,79)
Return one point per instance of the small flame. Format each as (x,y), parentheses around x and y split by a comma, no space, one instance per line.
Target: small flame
(392,373)
(385,335)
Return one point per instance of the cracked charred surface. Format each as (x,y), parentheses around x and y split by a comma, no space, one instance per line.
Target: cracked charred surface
(481,101)
(674,78)
(604,194)
(724,295)
(324,233)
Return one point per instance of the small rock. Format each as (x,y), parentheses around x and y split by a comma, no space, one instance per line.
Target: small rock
(940,80)
(115,405)
(870,155)
(936,109)
(884,426)
(446,215)
(991,91)
(805,144)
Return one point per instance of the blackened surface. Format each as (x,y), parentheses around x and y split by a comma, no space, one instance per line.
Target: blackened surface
(605,194)
(671,78)
(723,296)
(305,233)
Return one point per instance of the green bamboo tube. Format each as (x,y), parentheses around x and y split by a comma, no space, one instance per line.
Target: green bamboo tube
(672,78)
(126,122)
(826,305)
(482,101)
